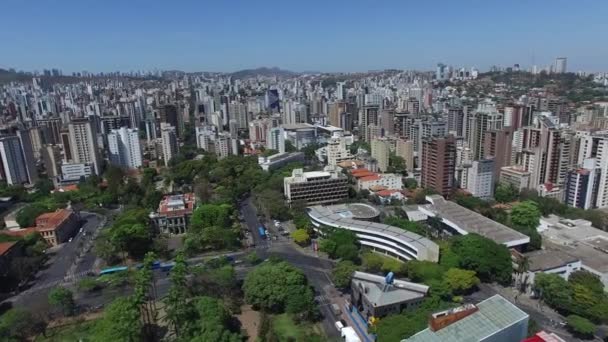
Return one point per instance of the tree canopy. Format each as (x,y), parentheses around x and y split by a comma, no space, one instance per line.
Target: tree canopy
(343,273)
(276,286)
(491,261)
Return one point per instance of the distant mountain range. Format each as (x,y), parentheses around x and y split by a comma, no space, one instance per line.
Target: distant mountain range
(264,71)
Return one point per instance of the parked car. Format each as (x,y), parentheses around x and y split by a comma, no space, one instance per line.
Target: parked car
(339,325)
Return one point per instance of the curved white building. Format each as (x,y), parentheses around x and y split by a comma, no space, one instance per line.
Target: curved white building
(387,239)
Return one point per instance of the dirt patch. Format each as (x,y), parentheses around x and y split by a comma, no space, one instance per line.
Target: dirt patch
(250,322)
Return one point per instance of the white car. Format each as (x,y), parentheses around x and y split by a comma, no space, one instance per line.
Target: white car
(70,240)
(339,325)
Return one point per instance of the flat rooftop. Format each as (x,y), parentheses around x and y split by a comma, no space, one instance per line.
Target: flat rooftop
(468,221)
(355,210)
(548,259)
(578,239)
(332,216)
(494,315)
(380,294)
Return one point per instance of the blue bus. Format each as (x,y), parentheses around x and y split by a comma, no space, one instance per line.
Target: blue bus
(113,270)
(262,232)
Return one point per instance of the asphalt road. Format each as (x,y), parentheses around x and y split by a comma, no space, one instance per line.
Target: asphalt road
(65,255)
(316,270)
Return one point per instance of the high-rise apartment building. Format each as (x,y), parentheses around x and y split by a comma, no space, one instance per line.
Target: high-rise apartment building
(369,115)
(14,169)
(485,118)
(83,143)
(561,65)
(381,152)
(124,148)
(336,149)
(582,185)
(405,149)
(169,143)
(480,180)
(276,139)
(438,163)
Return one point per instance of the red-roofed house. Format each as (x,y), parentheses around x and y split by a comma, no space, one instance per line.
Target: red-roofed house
(173,214)
(58,226)
(388,195)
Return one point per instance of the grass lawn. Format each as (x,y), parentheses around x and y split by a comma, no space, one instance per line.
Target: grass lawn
(285,329)
(70,333)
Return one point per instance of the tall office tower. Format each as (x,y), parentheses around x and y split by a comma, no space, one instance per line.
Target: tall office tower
(124,148)
(582,185)
(169,142)
(83,143)
(272,100)
(381,152)
(387,121)
(369,115)
(405,150)
(276,139)
(169,114)
(485,118)
(340,91)
(480,179)
(28,154)
(560,65)
(498,145)
(456,122)
(258,130)
(438,163)
(14,167)
(413,105)
(441,72)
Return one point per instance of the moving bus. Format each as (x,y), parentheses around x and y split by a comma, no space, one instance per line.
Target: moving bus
(113,270)
(262,232)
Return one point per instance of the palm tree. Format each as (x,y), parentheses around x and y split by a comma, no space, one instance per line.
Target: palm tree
(522,276)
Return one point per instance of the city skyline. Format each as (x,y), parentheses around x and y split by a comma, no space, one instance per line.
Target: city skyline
(325,37)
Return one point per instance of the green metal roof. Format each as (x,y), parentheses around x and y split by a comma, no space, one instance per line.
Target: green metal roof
(494,314)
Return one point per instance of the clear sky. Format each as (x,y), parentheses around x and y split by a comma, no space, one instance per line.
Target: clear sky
(328,35)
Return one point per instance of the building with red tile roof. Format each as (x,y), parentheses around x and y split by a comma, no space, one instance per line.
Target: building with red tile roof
(58,226)
(9,251)
(174,212)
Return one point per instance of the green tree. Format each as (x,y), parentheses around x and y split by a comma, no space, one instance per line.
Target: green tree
(372,262)
(301,237)
(491,261)
(506,193)
(270,285)
(587,279)
(411,183)
(343,273)
(460,281)
(213,321)
(63,299)
(178,308)
(26,217)
(525,215)
(120,322)
(581,327)
(553,290)
(18,324)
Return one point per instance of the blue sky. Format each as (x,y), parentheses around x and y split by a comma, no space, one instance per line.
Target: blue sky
(329,35)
